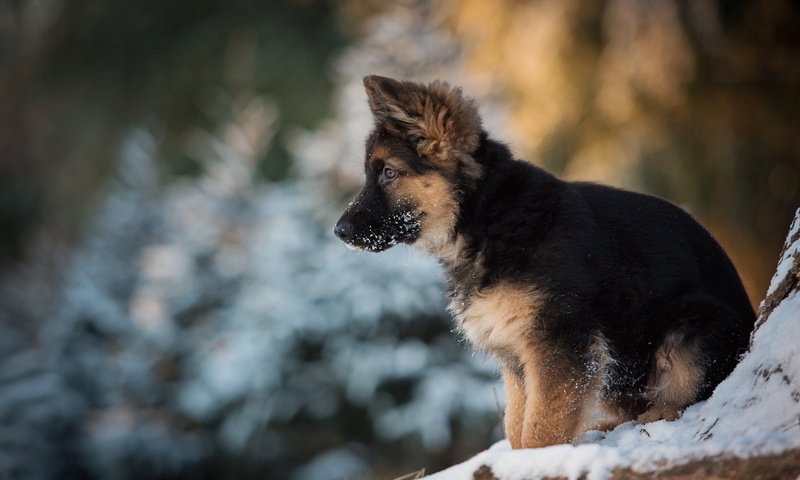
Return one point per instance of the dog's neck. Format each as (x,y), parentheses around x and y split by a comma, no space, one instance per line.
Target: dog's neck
(496,197)
(459,253)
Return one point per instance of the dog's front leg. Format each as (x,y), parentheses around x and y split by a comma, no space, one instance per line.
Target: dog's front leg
(515,407)
(555,391)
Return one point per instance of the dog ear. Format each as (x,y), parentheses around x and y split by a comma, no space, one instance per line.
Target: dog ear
(389,100)
(437,118)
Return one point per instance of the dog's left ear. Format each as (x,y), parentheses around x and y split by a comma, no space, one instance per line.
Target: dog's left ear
(443,124)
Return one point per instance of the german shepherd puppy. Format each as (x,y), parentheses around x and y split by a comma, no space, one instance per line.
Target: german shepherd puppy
(592,298)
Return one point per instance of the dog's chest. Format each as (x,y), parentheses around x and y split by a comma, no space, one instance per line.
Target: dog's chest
(498,319)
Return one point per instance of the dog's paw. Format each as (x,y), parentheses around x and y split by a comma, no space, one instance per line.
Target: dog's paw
(660,412)
(606,425)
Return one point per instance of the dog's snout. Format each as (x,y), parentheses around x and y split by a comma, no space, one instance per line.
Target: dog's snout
(343,229)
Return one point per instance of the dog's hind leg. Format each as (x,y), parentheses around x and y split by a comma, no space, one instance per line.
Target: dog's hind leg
(694,356)
(675,377)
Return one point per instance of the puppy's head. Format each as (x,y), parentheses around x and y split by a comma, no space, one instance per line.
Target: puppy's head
(418,164)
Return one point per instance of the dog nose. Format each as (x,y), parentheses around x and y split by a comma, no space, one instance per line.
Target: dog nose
(343,229)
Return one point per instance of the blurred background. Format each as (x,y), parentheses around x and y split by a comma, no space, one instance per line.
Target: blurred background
(172,301)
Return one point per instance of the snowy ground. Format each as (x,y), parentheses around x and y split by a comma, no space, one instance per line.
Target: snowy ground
(755,412)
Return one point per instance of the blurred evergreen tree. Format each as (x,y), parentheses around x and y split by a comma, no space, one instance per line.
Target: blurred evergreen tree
(78,73)
(211,326)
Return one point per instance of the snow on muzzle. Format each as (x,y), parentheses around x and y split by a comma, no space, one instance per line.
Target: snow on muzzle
(363,231)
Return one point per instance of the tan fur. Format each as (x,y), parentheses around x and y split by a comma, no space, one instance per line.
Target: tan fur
(499,318)
(613,414)
(660,412)
(550,407)
(380,152)
(607,424)
(551,403)
(675,378)
(555,396)
(515,407)
(594,404)
(443,123)
(680,374)
(451,254)
(433,198)
(563,403)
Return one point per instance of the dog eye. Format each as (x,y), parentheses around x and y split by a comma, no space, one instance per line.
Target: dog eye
(389,173)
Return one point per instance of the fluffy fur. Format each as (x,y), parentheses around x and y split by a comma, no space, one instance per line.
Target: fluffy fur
(590,297)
